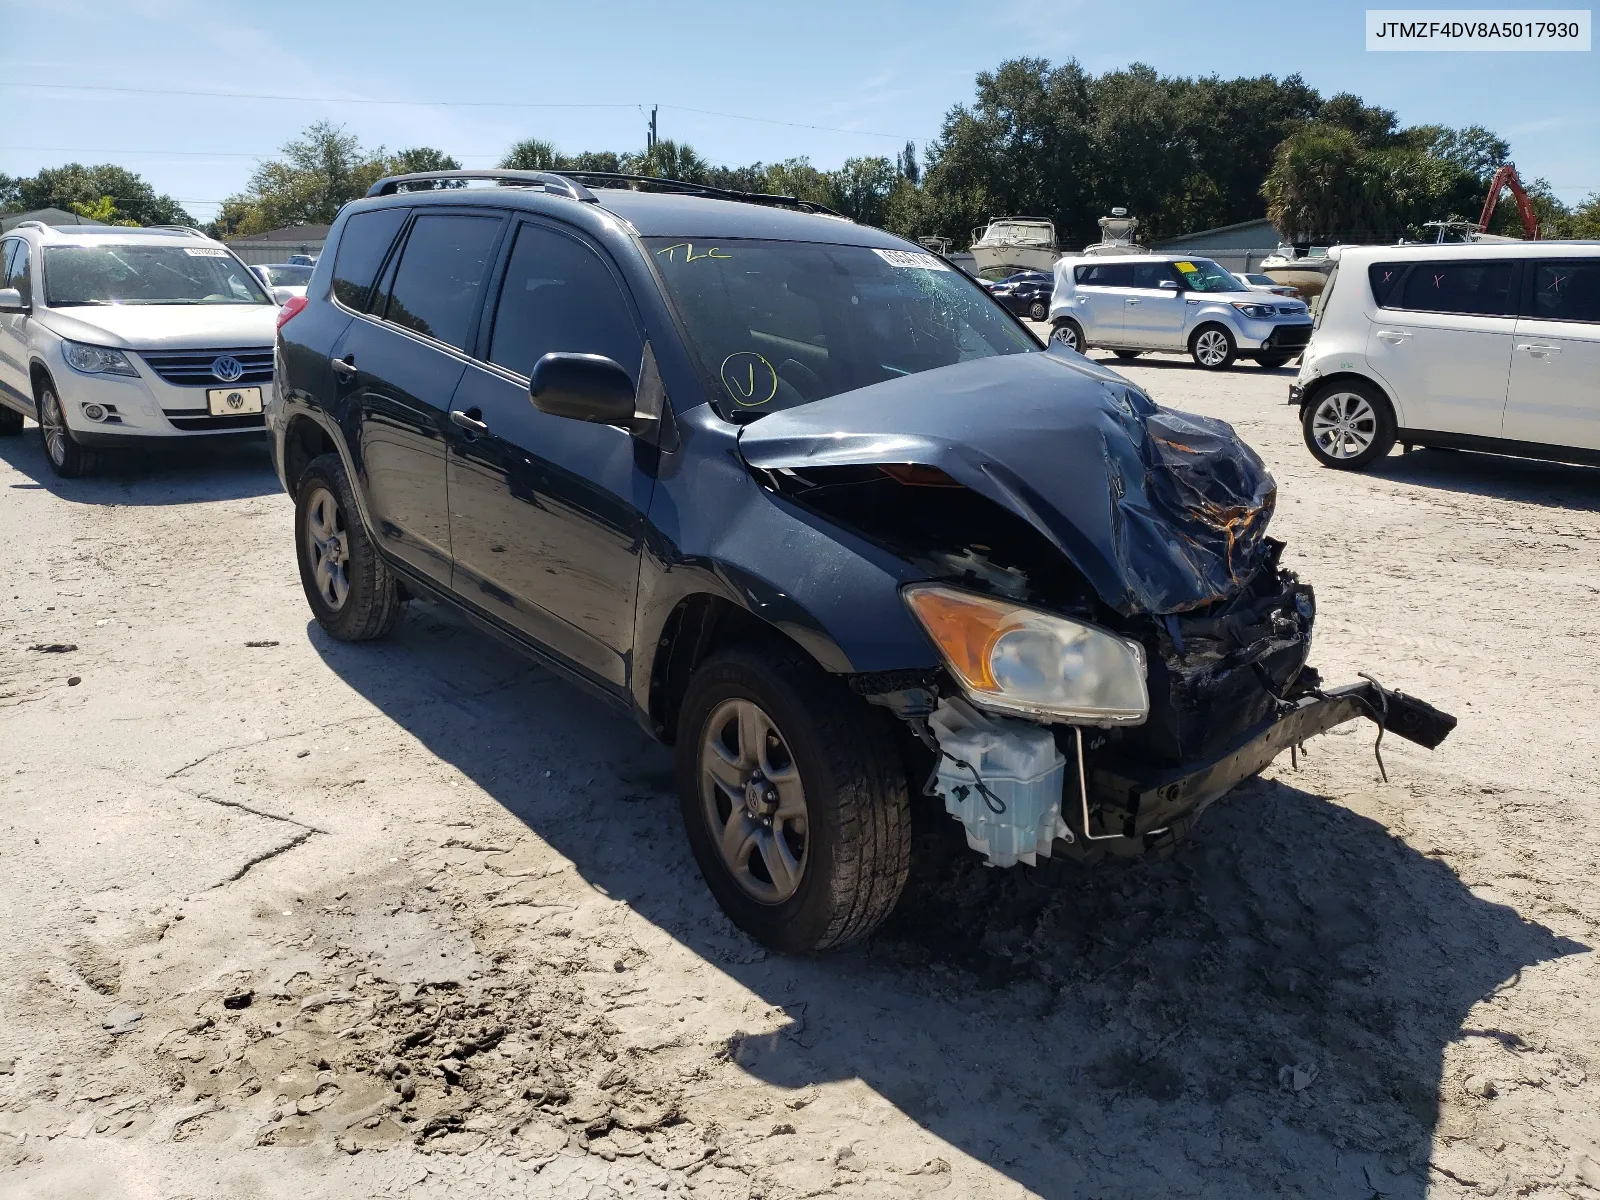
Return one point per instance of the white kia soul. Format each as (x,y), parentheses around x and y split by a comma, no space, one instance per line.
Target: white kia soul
(114,336)
(1480,346)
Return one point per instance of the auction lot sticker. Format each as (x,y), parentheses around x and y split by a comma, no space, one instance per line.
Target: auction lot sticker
(913,259)
(1479,29)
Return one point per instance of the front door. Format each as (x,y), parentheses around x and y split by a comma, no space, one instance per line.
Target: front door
(1442,342)
(1554,397)
(1153,316)
(399,368)
(547,513)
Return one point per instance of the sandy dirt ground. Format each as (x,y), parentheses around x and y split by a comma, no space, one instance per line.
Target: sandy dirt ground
(291,918)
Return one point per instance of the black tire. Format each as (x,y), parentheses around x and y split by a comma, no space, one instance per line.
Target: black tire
(1201,343)
(370,604)
(1368,430)
(1038,310)
(67,457)
(1069,333)
(1125,354)
(856,848)
(10,421)
(1273,361)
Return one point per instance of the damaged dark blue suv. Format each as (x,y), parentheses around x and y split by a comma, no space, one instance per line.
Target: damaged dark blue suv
(814,508)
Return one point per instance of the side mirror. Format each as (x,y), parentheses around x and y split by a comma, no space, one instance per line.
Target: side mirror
(1169,285)
(585,387)
(11,301)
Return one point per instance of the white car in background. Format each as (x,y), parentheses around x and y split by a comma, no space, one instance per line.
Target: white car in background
(1258,282)
(284,280)
(1477,346)
(113,336)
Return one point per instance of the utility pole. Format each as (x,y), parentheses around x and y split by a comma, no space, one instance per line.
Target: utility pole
(650,137)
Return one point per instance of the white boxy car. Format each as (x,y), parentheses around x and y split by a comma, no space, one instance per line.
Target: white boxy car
(1133,303)
(113,337)
(1476,346)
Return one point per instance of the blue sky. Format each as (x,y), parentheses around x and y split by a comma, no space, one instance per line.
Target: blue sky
(874,74)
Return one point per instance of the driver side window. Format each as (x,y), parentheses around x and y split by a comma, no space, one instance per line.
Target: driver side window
(14,268)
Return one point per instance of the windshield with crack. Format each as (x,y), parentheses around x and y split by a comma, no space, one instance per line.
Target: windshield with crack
(779,324)
(86,275)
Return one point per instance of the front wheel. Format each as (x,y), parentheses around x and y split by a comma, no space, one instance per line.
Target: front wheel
(794,799)
(1038,310)
(1069,333)
(1348,425)
(351,593)
(68,457)
(1213,347)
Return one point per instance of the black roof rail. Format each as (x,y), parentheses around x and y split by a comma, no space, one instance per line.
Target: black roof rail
(551,182)
(639,182)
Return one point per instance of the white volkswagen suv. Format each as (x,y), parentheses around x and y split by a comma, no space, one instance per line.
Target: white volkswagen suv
(114,336)
(1134,303)
(1479,346)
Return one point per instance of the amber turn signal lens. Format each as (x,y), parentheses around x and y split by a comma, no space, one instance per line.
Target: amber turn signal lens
(965,627)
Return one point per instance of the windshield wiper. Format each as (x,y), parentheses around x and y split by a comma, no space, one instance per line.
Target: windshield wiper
(76,303)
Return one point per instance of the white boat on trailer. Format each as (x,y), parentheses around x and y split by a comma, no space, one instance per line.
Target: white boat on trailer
(1011,244)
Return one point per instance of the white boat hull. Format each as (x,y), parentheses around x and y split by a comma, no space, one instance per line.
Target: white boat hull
(1011,257)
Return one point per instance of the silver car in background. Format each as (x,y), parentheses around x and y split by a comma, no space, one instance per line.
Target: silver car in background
(1134,303)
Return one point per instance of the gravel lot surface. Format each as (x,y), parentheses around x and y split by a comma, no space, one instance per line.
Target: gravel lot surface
(290,918)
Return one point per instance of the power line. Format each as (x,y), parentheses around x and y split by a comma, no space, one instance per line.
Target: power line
(705,112)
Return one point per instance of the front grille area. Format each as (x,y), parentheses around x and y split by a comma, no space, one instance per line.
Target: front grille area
(188,419)
(1290,337)
(193,368)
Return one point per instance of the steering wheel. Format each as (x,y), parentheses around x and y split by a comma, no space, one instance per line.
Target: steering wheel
(800,377)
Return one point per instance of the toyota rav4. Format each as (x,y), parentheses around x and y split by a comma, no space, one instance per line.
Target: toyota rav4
(813,508)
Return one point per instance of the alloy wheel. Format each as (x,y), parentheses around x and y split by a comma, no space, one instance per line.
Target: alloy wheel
(54,426)
(1067,335)
(328,546)
(753,801)
(1211,348)
(1344,425)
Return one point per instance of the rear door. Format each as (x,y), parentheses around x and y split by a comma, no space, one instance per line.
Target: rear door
(1441,339)
(547,513)
(1554,398)
(16,390)
(1153,316)
(399,367)
(1103,290)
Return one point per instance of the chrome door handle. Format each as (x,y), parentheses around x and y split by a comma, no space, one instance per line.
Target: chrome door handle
(1392,336)
(1538,350)
(1131,300)
(345,366)
(467,421)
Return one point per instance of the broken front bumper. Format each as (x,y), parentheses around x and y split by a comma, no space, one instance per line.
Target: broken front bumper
(1133,808)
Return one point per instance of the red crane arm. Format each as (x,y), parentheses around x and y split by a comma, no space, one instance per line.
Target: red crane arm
(1507,176)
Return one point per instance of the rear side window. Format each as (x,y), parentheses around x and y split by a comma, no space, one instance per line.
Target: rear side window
(363,243)
(1567,291)
(559,298)
(1105,275)
(441,275)
(1151,274)
(1475,288)
(1385,278)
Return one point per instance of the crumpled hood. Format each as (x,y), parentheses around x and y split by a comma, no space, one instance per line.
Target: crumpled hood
(1162,511)
(166,326)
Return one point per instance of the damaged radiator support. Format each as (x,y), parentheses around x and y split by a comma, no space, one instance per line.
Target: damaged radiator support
(1005,782)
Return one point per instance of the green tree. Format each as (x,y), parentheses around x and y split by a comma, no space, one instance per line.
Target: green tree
(668,159)
(419,159)
(1316,187)
(319,172)
(532,154)
(1473,148)
(798,178)
(10,193)
(134,200)
(861,189)
(1584,222)
(103,210)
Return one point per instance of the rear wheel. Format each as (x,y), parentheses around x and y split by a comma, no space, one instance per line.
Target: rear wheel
(794,799)
(1038,310)
(1069,333)
(1348,425)
(351,593)
(1213,347)
(69,458)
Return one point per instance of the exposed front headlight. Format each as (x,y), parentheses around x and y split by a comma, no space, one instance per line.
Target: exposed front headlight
(1254,310)
(96,360)
(1012,658)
